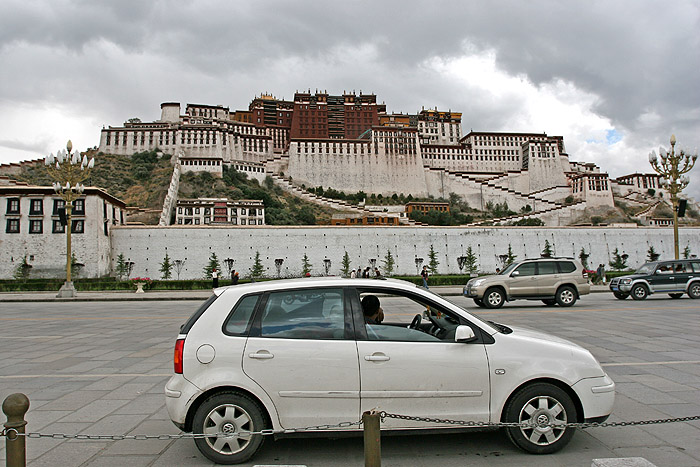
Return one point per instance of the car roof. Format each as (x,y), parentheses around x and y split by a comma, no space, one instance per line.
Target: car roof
(306,282)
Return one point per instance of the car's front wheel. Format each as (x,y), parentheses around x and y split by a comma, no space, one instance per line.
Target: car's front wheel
(233,414)
(566,296)
(544,409)
(620,295)
(639,292)
(694,290)
(479,302)
(494,298)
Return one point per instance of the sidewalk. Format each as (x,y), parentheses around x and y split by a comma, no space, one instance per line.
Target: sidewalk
(127,295)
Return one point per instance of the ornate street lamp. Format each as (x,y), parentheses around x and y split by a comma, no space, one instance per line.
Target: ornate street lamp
(671,168)
(68,170)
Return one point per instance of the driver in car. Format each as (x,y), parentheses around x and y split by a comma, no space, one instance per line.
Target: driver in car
(371,310)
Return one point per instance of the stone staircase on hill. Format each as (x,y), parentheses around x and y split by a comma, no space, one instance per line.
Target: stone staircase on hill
(561,209)
(340,205)
(478,183)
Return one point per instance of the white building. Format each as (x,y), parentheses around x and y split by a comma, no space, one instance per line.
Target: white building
(33,230)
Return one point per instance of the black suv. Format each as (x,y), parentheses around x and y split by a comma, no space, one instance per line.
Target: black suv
(672,277)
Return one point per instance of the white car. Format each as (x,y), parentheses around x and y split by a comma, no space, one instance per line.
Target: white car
(300,353)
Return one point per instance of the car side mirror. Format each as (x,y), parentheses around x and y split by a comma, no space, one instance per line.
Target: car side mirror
(464,333)
(515,273)
(658,271)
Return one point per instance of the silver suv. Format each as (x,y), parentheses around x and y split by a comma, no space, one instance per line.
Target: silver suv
(553,280)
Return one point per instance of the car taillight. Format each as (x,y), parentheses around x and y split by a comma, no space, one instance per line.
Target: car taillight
(584,274)
(177,360)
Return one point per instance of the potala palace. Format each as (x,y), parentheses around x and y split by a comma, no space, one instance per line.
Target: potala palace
(350,143)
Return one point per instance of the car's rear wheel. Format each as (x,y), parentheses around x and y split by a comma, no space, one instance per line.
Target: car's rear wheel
(230,413)
(566,296)
(546,409)
(494,298)
(675,295)
(479,302)
(620,295)
(639,292)
(549,301)
(694,290)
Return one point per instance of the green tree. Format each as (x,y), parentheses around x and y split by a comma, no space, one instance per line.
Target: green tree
(257,271)
(388,263)
(305,265)
(166,267)
(211,265)
(471,261)
(583,256)
(346,265)
(21,272)
(122,269)
(432,260)
(652,255)
(547,251)
(510,257)
(619,261)
(686,252)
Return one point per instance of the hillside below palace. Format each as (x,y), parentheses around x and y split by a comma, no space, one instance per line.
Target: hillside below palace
(350,143)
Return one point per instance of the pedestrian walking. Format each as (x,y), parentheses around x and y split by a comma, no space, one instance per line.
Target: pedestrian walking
(425,274)
(234,277)
(601,273)
(353,274)
(215,278)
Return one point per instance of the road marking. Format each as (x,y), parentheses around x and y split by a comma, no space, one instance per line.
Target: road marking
(106,375)
(671,362)
(31,337)
(88,318)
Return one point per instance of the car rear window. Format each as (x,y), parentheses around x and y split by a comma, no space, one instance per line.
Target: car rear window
(566,266)
(237,322)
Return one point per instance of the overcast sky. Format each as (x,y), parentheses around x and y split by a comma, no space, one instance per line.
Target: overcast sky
(614,78)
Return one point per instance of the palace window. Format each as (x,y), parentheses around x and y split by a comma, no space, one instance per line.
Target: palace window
(79,207)
(36,207)
(78,226)
(36,226)
(13,206)
(12,226)
(57,227)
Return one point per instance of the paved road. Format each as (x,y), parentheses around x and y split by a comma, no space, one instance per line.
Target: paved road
(100,368)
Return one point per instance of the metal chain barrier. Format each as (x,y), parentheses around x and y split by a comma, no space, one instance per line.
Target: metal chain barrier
(383,415)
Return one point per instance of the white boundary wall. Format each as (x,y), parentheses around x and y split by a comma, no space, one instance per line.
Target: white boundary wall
(146,246)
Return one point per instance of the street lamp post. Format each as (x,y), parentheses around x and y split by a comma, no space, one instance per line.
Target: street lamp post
(671,168)
(68,170)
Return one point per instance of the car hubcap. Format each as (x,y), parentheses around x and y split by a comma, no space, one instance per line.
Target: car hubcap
(695,290)
(230,420)
(566,296)
(494,299)
(546,419)
(639,292)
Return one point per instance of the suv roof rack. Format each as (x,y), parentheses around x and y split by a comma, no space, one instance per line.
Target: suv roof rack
(548,257)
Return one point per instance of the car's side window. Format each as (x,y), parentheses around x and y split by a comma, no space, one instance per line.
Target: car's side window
(679,268)
(566,266)
(304,314)
(237,322)
(547,267)
(527,269)
(665,268)
(696,266)
(404,318)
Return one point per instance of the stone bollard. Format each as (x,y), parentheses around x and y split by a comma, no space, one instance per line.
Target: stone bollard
(15,406)
(373,439)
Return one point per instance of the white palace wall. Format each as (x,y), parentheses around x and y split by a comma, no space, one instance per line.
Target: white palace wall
(146,246)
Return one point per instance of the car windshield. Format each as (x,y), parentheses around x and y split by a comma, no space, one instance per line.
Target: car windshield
(646,268)
(508,270)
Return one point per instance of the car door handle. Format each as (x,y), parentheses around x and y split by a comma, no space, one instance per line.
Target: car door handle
(262,355)
(671,277)
(377,358)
